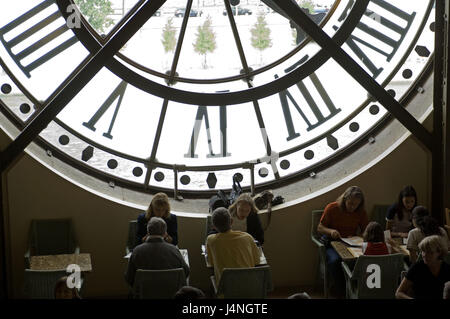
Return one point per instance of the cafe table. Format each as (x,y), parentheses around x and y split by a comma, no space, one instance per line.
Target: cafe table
(184,253)
(57,262)
(351,253)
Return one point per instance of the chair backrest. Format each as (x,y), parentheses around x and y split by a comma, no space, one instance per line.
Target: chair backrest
(242,283)
(315,219)
(208,226)
(40,284)
(52,237)
(446,258)
(158,284)
(132,228)
(378,276)
(379,215)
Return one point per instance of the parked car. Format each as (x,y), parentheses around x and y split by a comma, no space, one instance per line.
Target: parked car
(240,11)
(194,13)
(320,9)
(264,9)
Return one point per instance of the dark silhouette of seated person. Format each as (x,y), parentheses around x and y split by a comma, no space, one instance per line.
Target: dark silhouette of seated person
(155,253)
(189,293)
(299,295)
(62,291)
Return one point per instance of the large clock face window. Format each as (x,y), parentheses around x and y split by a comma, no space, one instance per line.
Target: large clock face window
(207,89)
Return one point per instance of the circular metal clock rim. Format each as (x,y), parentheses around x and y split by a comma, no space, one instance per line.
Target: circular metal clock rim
(227,98)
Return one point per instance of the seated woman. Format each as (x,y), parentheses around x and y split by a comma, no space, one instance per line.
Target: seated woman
(342,218)
(399,215)
(245,217)
(159,207)
(426,278)
(425,226)
(374,243)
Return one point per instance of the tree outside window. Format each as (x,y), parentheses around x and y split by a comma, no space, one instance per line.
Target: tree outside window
(206,40)
(261,35)
(96,12)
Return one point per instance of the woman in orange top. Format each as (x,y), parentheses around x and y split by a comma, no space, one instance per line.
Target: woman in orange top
(342,218)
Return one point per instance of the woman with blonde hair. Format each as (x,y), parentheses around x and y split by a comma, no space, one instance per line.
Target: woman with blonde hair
(427,277)
(244,214)
(159,207)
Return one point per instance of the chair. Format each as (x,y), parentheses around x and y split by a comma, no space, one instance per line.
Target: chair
(323,271)
(131,242)
(379,215)
(208,226)
(51,237)
(40,284)
(390,269)
(244,283)
(447,258)
(158,284)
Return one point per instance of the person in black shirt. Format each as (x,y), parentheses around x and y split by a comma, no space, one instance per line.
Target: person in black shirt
(426,278)
(159,207)
(244,214)
(399,215)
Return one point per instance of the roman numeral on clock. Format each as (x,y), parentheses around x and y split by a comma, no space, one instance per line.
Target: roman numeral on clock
(366,39)
(202,114)
(118,95)
(311,122)
(48,38)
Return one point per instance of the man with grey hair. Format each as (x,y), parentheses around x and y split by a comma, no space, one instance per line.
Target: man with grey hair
(229,248)
(155,253)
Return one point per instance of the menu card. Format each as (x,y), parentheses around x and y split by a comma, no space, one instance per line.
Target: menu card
(355,241)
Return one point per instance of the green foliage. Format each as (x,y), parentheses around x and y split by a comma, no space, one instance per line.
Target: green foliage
(96,12)
(307,4)
(294,35)
(206,40)
(168,36)
(261,34)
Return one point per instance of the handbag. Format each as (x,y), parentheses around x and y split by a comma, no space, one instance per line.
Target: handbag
(236,190)
(325,240)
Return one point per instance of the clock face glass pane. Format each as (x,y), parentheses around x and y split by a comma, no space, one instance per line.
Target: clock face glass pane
(37,43)
(158,113)
(209,48)
(123,118)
